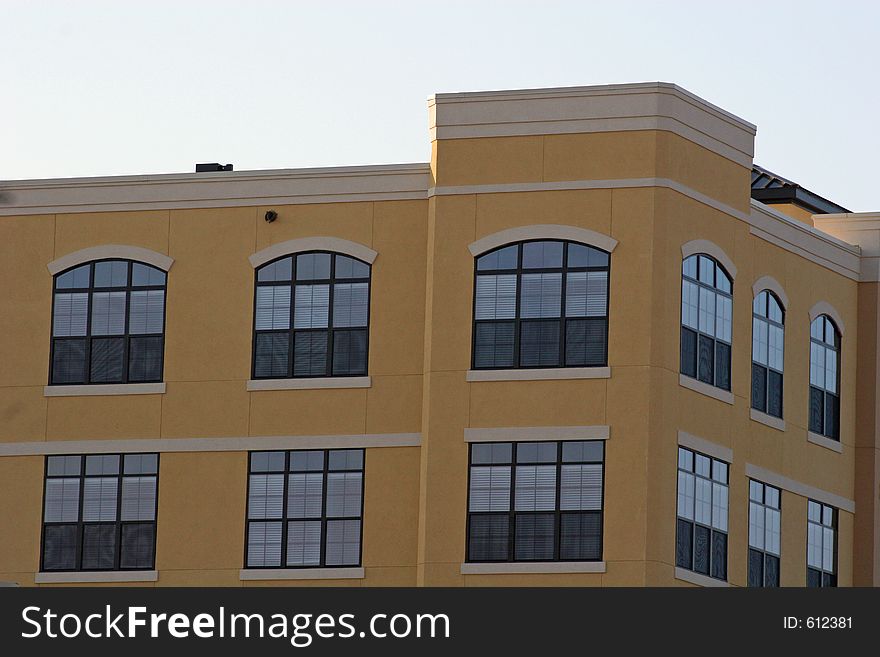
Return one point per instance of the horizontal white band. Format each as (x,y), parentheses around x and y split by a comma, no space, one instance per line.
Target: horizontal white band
(238,444)
(699,579)
(799,488)
(106,251)
(317,383)
(95,577)
(704,446)
(104,389)
(258,574)
(705,389)
(825,441)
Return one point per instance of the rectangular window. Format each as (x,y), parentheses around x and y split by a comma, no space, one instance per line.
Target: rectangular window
(305,508)
(764,534)
(701,529)
(821,545)
(99,512)
(538,501)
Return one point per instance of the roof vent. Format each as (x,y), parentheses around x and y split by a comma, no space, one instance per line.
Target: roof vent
(212,166)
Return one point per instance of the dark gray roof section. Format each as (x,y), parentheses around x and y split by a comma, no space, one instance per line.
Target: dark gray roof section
(770,188)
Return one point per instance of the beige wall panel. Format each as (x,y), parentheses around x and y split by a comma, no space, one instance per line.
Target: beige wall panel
(200,524)
(205,409)
(25,299)
(21,508)
(624,573)
(209,315)
(793,546)
(844,549)
(126,416)
(390,576)
(397,317)
(600,155)
(536,579)
(351,221)
(589,209)
(490,160)
(199,577)
(148,229)
(538,403)
(391,510)
(308,412)
(22,414)
(394,404)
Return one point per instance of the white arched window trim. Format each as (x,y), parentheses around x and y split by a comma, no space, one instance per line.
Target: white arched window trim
(111,251)
(542,232)
(825,308)
(334,244)
(695,247)
(771,284)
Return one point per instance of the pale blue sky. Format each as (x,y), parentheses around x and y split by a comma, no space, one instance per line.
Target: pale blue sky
(104,88)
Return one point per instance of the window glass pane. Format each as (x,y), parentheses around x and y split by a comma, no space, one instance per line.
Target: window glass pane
(489,488)
(99,547)
(580,537)
(817,328)
(830,370)
(828,549)
(70,315)
(583,450)
(267,461)
(343,542)
(542,255)
(684,539)
(772,497)
(722,281)
(759,305)
(111,273)
(581,488)
(59,547)
(598,258)
(75,278)
(539,344)
(535,488)
(759,341)
(703,501)
(719,555)
(771,571)
(756,491)
(814,511)
(536,452)
(99,499)
(504,258)
(707,270)
(63,465)
(703,465)
(351,302)
(147,311)
(304,543)
(719,471)
(817,410)
(830,333)
(145,359)
(775,348)
(271,355)
(145,275)
(724,318)
(488,538)
(688,352)
(496,297)
(108,313)
(108,360)
(280,270)
(685,495)
(312,460)
(535,536)
(774,394)
(350,268)
(690,293)
(722,365)
(304,495)
(541,295)
(689,266)
(344,494)
(719,507)
(759,387)
(265,496)
(586,294)
(273,307)
(756,526)
(702,547)
(62,500)
(141,463)
(685,459)
(707,311)
(310,353)
(491,453)
(706,360)
(773,531)
(264,544)
(827,516)
(138,544)
(312,266)
(139,498)
(756,568)
(346,459)
(814,545)
(311,306)
(585,342)
(69,361)
(350,352)
(578,255)
(775,310)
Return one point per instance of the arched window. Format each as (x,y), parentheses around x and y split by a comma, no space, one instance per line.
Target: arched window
(768,337)
(108,323)
(541,304)
(304,338)
(825,377)
(706,320)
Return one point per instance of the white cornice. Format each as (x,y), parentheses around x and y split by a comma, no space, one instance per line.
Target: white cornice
(603,108)
(214,190)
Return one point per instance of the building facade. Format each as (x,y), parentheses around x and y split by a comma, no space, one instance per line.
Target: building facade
(573,349)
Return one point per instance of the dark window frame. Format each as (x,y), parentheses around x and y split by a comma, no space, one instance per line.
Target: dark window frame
(80,524)
(330,330)
(88,338)
(324,518)
(693,523)
(827,578)
(517,320)
(512,513)
(764,553)
(765,370)
(828,397)
(700,335)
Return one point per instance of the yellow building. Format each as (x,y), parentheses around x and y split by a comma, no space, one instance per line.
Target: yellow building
(588,344)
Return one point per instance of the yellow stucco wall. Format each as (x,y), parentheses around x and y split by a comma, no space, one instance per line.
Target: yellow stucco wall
(420,350)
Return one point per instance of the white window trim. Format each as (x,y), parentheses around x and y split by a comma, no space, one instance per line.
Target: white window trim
(107,251)
(542,232)
(825,308)
(96,577)
(769,420)
(276,574)
(771,284)
(323,243)
(696,247)
(699,579)
(548,374)
(104,389)
(825,441)
(705,389)
(318,383)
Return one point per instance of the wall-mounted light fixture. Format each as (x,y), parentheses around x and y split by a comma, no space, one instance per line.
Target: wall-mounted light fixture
(270,216)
